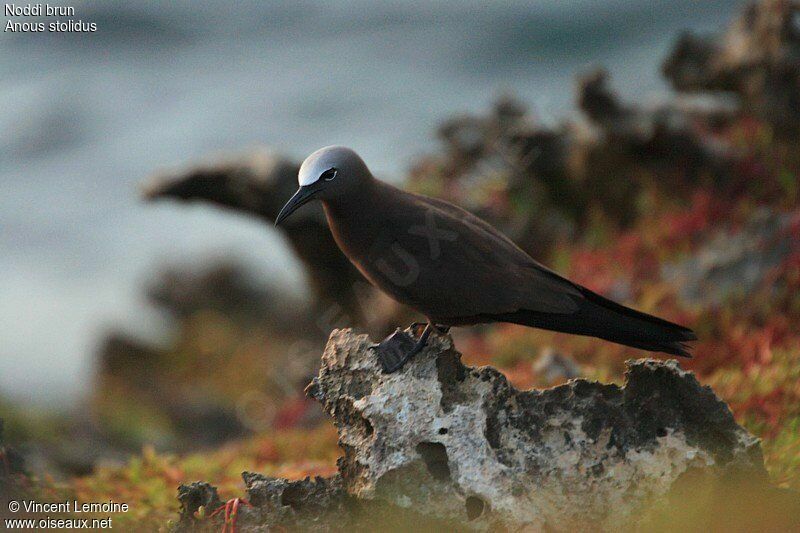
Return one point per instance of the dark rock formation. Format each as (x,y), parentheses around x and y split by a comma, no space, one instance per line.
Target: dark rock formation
(192,498)
(228,288)
(258,184)
(190,392)
(656,139)
(757,58)
(302,503)
(542,185)
(506,168)
(439,444)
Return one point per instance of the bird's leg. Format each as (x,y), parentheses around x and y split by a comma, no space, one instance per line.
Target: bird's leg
(415,325)
(439,328)
(395,350)
(418,346)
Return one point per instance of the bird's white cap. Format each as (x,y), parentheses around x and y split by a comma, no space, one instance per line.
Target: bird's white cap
(322,160)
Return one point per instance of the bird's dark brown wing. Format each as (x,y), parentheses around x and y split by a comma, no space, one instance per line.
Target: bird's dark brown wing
(541,298)
(477,270)
(499,237)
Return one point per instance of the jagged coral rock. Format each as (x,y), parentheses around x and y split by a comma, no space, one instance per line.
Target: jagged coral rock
(194,496)
(319,502)
(460,443)
(442,446)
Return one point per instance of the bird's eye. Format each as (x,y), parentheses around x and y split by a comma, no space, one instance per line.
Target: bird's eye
(329,174)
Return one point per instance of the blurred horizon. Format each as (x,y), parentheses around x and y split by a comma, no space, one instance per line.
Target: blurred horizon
(86,118)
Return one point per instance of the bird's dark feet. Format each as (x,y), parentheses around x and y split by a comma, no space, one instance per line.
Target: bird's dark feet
(396,349)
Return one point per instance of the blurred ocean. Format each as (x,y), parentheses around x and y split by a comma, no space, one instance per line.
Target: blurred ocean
(84,118)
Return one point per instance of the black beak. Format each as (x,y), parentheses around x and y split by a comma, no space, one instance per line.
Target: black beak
(302,196)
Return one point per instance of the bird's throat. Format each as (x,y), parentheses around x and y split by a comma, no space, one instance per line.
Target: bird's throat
(353,226)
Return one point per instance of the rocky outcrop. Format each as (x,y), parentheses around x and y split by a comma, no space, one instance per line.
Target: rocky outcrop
(757,58)
(440,443)
(218,315)
(542,185)
(461,443)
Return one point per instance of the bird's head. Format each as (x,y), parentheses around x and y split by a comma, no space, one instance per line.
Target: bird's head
(329,174)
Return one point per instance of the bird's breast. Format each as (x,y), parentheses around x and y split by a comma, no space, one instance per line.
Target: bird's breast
(378,246)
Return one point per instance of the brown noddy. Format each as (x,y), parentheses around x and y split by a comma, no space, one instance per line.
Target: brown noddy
(455,268)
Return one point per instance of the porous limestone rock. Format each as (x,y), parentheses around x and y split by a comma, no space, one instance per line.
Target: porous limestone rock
(458,443)
(439,446)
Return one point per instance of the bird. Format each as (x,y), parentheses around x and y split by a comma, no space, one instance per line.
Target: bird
(455,268)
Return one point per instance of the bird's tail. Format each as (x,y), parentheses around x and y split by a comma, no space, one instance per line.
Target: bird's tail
(600,317)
